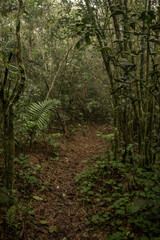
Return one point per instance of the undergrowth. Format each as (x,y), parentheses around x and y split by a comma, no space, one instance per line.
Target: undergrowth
(15,211)
(122,200)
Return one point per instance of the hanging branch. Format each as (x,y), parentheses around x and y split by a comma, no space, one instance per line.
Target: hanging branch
(59,69)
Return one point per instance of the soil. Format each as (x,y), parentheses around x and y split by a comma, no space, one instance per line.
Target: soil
(58,213)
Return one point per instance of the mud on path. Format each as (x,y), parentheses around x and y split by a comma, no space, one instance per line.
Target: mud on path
(60,212)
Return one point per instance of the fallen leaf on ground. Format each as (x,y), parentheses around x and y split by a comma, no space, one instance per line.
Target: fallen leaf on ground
(38,198)
(53,229)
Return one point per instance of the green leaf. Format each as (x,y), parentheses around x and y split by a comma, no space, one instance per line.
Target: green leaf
(122,229)
(142,194)
(156,189)
(31,212)
(134,209)
(132,220)
(87,222)
(41,113)
(95,218)
(43,222)
(106,137)
(120,211)
(106,216)
(140,218)
(116,236)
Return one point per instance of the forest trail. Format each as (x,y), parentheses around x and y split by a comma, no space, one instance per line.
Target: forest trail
(60,212)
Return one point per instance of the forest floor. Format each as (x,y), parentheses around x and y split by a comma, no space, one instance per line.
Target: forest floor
(57,212)
(56,198)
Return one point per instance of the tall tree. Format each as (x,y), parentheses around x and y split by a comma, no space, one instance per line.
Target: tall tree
(9,96)
(128,58)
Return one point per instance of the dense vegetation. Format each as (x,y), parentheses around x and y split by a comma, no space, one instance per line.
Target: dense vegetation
(64,63)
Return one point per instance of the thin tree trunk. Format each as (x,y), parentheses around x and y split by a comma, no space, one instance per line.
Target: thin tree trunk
(58,71)
(110,76)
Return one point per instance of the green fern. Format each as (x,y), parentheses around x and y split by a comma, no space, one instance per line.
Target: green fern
(11,216)
(41,113)
(4,197)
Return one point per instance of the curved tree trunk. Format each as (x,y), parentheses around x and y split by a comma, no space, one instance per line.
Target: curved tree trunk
(6,107)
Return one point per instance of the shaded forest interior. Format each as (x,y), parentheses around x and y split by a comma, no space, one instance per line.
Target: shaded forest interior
(80,120)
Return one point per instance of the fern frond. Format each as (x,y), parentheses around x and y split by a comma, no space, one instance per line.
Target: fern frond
(11,215)
(4,197)
(42,112)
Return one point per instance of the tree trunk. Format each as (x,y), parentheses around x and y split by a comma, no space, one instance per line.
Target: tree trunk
(9,148)
(6,107)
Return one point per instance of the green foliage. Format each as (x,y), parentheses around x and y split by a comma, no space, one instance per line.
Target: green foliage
(41,113)
(122,197)
(53,140)
(16,215)
(32,125)
(106,137)
(127,94)
(4,196)
(28,173)
(11,216)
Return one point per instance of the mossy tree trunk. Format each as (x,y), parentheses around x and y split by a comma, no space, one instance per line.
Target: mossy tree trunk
(7,102)
(9,148)
(128,55)
(106,59)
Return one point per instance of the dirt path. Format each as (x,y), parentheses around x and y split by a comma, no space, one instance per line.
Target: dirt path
(60,209)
